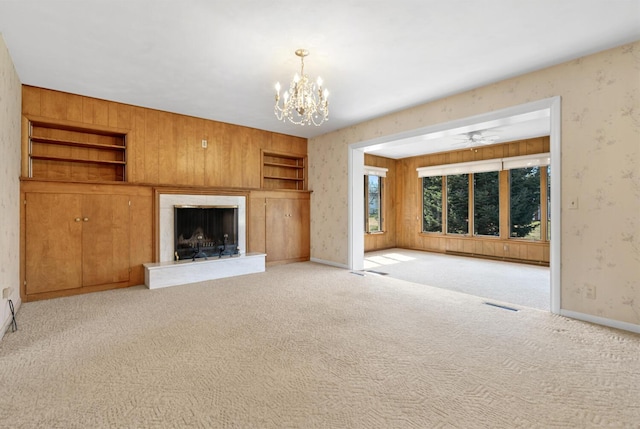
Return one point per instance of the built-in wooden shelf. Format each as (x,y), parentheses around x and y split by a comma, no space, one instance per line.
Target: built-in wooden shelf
(278,164)
(296,179)
(81,160)
(283,171)
(77,144)
(64,151)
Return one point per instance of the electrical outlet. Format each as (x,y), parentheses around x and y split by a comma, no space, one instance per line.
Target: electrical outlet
(590,292)
(204,144)
(6,293)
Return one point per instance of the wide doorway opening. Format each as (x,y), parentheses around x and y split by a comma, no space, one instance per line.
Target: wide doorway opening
(545,112)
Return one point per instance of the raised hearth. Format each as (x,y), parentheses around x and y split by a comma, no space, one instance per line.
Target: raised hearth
(174,273)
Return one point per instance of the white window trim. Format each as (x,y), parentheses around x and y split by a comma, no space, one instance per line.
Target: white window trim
(526,161)
(375,171)
(536,160)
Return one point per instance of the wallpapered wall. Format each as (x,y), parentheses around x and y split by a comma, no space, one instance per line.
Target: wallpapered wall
(600,167)
(10,100)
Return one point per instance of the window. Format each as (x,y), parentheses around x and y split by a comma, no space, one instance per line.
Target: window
(373,203)
(548,202)
(432,204)
(458,204)
(486,204)
(524,213)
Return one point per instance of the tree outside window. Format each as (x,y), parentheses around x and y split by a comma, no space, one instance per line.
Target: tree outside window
(525,216)
(373,203)
(486,203)
(458,204)
(432,204)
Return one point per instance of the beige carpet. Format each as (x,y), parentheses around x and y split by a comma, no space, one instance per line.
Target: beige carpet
(521,284)
(310,346)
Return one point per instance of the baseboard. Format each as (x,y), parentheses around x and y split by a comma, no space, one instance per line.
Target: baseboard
(625,326)
(7,323)
(325,262)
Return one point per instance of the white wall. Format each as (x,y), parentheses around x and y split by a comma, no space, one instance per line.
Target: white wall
(10,113)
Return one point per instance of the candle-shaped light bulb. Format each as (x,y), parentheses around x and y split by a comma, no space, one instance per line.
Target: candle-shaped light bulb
(296,78)
(325,94)
(319,82)
(278,87)
(286,96)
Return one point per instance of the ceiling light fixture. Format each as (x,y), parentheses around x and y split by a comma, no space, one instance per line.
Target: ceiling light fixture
(305,103)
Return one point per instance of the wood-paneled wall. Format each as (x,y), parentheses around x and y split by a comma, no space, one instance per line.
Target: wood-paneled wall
(409,207)
(162,150)
(386,239)
(166,148)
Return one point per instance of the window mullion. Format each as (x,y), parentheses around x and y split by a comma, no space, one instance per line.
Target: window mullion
(504,205)
(470,208)
(543,204)
(445,205)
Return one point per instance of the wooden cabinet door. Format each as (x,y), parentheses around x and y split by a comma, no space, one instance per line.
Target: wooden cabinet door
(105,239)
(287,229)
(53,237)
(257,222)
(277,229)
(299,223)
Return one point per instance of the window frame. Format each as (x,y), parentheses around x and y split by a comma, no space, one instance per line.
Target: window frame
(367,215)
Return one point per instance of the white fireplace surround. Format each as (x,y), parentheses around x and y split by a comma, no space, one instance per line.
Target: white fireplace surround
(166,218)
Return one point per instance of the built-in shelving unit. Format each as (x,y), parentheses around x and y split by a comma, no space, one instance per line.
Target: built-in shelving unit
(66,152)
(284,171)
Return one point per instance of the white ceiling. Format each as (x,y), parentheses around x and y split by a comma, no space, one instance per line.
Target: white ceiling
(220,59)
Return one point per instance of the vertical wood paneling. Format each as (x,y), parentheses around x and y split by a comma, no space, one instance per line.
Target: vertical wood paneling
(180,150)
(410,205)
(114,113)
(212,154)
(141,237)
(151,146)
(31,101)
(53,105)
(95,111)
(257,225)
(198,134)
(165,148)
(136,148)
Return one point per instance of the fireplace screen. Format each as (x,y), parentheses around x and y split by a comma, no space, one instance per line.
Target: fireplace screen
(205,231)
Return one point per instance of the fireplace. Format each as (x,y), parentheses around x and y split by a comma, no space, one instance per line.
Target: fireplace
(205,231)
(167,237)
(167,271)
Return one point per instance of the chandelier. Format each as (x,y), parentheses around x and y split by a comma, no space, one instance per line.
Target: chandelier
(305,103)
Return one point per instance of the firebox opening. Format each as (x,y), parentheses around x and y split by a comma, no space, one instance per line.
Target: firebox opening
(205,231)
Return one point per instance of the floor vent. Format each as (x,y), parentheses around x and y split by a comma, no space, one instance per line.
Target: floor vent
(504,307)
(378,272)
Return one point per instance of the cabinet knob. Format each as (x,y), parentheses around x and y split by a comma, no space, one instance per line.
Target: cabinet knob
(86,219)
(77,219)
